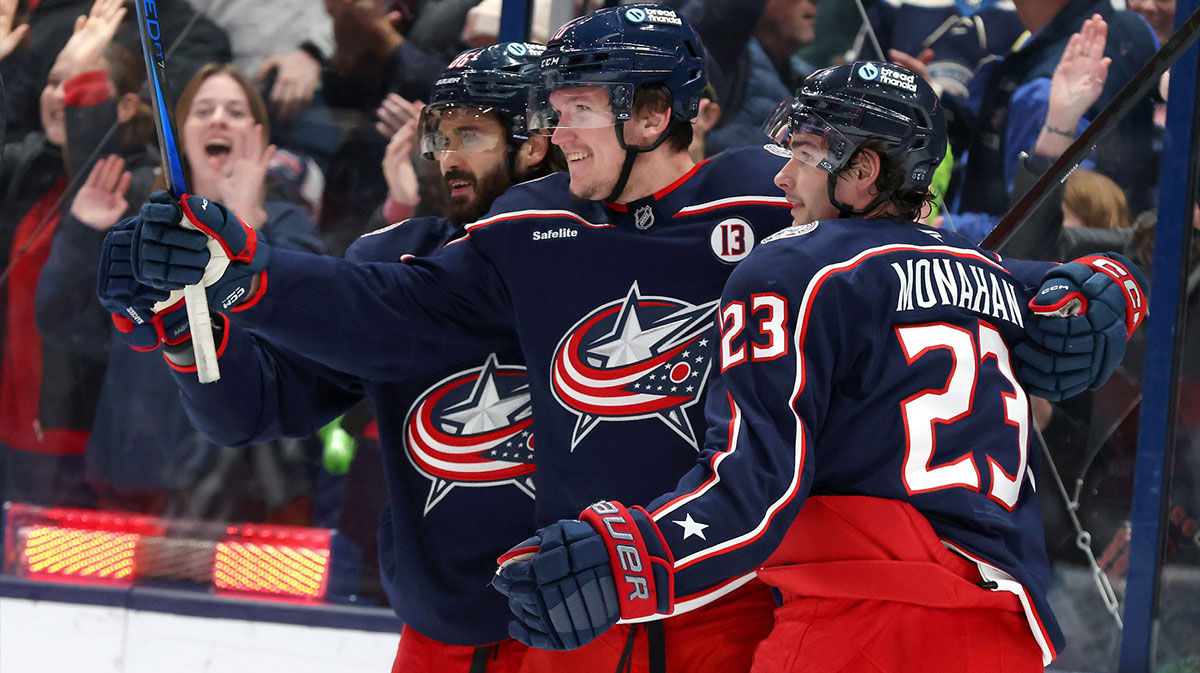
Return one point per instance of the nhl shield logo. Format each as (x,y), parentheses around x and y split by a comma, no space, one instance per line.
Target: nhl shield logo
(640,357)
(643,218)
(472,429)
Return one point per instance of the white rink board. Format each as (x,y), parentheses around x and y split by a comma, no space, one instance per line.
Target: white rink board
(52,637)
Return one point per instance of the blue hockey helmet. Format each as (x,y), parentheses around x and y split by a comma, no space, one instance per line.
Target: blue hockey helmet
(622,48)
(492,79)
(848,105)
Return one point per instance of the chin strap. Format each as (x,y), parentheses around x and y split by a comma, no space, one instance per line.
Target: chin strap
(631,154)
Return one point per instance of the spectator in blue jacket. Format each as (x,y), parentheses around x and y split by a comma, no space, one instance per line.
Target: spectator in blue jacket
(1013,99)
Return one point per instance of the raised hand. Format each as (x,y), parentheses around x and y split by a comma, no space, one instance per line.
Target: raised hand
(362,26)
(1076,85)
(10,37)
(244,183)
(296,77)
(100,202)
(92,35)
(397,165)
(918,64)
(395,112)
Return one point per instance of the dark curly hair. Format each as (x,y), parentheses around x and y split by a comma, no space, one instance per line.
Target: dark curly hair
(908,204)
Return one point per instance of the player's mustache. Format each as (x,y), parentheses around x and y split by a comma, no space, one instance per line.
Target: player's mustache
(458,175)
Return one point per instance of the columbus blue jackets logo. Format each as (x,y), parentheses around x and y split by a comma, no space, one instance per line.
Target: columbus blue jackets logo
(472,429)
(641,357)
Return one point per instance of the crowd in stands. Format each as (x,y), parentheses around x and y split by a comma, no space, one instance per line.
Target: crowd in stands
(301,115)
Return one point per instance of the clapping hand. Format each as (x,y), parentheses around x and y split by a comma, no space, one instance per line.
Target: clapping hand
(397,165)
(100,202)
(395,112)
(1081,72)
(10,37)
(296,76)
(243,186)
(91,37)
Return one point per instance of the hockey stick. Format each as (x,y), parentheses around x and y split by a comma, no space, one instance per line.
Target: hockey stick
(1069,160)
(156,73)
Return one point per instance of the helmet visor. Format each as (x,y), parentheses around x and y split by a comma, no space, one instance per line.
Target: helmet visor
(580,105)
(808,137)
(446,127)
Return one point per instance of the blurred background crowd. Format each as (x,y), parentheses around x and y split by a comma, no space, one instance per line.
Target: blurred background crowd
(300,114)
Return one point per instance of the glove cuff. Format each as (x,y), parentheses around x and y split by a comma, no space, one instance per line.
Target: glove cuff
(1120,272)
(138,341)
(181,356)
(641,561)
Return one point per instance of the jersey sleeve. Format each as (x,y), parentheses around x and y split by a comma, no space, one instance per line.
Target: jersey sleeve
(264,393)
(383,321)
(779,353)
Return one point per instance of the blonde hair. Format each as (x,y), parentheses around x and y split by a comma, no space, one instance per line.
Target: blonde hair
(1096,199)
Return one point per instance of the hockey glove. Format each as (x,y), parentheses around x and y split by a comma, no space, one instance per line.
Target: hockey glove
(1080,322)
(144,315)
(224,254)
(574,579)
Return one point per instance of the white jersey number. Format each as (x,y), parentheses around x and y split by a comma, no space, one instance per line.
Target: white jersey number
(926,409)
(770,343)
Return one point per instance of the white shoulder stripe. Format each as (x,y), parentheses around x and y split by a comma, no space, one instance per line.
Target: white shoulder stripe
(386,229)
(733,201)
(521,214)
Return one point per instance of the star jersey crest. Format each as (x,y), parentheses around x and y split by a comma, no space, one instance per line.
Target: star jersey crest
(640,357)
(472,429)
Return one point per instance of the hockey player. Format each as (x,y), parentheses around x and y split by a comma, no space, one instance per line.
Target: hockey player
(607,276)
(457,497)
(869,455)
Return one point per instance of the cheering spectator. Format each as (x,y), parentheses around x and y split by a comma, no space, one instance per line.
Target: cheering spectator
(190,40)
(1094,212)
(143,454)
(1015,99)
(48,393)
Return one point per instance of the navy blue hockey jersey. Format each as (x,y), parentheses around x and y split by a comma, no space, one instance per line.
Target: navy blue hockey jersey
(868,357)
(614,308)
(457,452)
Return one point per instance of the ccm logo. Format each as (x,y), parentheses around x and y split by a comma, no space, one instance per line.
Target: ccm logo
(1055,288)
(233,297)
(1119,274)
(627,554)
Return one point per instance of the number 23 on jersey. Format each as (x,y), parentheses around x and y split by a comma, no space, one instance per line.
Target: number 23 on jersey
(976,353)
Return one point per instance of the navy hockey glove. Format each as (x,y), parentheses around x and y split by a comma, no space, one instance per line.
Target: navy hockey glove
(224,254)
(144,315)
(574,579)
(1080,322)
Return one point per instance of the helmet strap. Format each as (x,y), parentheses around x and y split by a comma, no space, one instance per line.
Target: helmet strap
(631,154)
(845,211)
